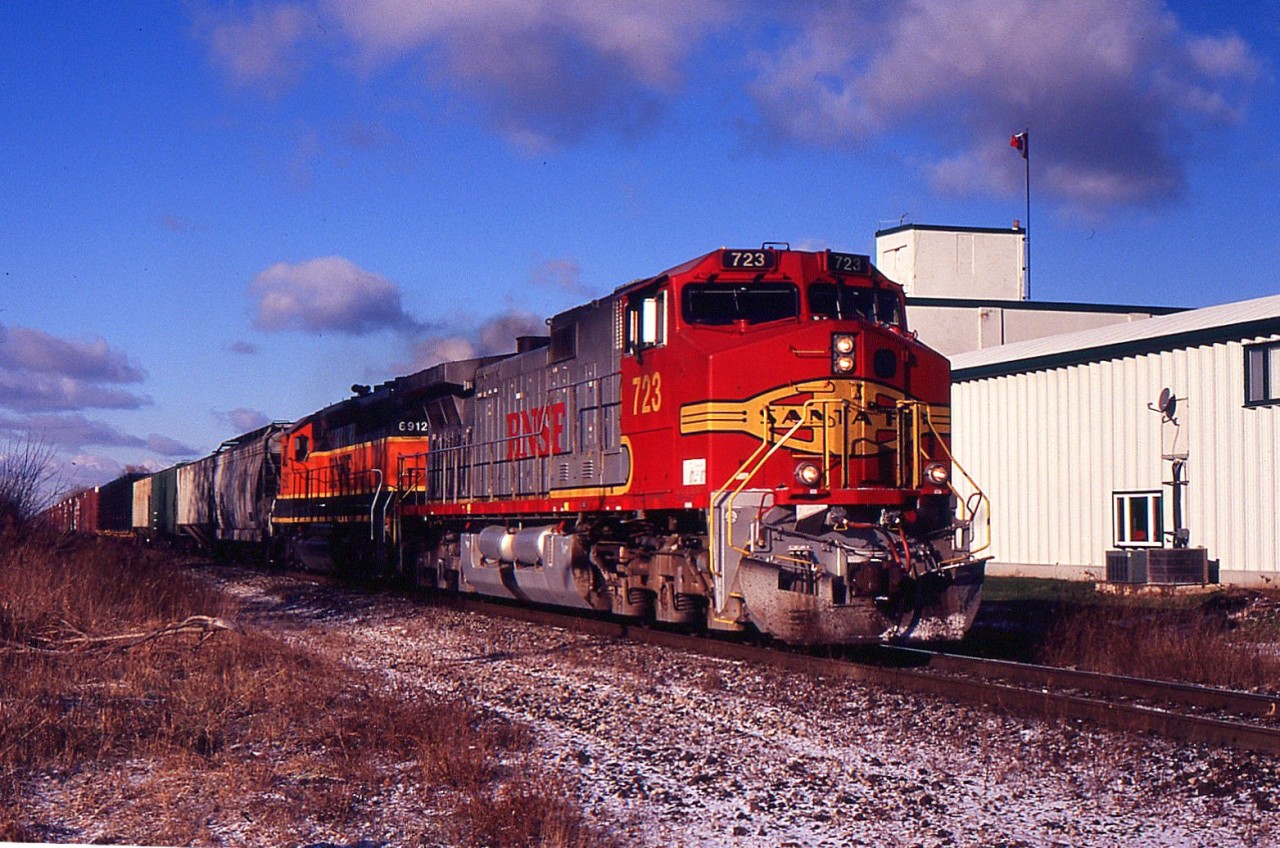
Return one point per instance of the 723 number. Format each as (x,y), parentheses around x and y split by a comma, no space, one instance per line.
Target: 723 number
(648,393)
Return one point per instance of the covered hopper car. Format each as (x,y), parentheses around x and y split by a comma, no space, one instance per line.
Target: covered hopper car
(224,499)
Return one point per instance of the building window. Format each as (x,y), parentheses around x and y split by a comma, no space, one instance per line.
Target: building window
(1139,519)
(1261,374)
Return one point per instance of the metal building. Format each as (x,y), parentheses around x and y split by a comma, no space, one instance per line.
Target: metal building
(966,289)
(1136,439)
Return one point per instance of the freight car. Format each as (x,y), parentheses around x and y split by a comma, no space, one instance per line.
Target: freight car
(224,499)
(752,440)
(103,509)
(75,513)
(115,503)
(155,505)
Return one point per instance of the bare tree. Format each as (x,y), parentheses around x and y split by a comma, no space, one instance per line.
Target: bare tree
(28,478)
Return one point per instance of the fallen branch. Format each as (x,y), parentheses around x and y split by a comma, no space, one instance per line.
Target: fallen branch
(202,625)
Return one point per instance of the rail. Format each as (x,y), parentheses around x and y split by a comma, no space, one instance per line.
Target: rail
(1139,688)
(1030,700)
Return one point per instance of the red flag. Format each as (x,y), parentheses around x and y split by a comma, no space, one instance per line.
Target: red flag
(1019,143)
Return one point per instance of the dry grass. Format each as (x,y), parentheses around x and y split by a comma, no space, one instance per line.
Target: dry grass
(1197,645)
(531,810)
(235,736)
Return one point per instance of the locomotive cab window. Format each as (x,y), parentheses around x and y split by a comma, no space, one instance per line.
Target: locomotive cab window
(889,309)
(729,303)
(834,300)
(647,320)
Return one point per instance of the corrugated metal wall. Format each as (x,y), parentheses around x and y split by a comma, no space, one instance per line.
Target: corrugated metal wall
(1050,447)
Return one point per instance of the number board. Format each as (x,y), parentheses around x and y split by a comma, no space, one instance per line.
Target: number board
(749,260)
(848,263)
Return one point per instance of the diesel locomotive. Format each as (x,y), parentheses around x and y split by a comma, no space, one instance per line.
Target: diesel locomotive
(752,441)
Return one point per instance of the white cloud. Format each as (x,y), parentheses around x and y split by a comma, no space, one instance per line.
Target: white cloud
(27,349)
(40,372)
(1112,92)
(498,40)
(1107,89)
(546,70)
(264,47)
(74,431)
(330,294)
(496,335)
(26,392)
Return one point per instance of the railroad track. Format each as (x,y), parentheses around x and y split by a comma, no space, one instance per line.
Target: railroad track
(1181,711)
(1178,711)
(1207,698)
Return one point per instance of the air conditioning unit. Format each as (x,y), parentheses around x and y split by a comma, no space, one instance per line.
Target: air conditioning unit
(1128,566)
(1178,565)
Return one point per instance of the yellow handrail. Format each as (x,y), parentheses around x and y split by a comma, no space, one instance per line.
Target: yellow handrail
(909,466)
(755,462)
(745,477)
(968,514)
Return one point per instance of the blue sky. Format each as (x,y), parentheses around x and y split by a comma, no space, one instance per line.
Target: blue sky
(213,215)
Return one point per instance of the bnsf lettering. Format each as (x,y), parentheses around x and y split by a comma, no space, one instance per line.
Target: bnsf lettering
(535,432)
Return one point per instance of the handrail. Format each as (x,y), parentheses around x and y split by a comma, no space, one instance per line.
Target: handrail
(972,511)
(745,477)
(911,414)
(373,506)
(386,506)
(909,454)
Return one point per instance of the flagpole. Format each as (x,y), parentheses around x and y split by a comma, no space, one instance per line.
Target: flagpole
(1021,142)
(1026,160)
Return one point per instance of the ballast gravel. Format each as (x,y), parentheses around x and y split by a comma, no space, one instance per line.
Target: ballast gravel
(670,749)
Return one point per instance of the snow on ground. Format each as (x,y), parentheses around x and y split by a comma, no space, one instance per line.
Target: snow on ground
(667,748)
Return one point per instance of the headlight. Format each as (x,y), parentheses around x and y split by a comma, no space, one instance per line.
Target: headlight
(808,474)
(937,473)
(842,353)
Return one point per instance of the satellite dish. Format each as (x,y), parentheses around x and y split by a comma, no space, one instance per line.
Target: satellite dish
(1168,403)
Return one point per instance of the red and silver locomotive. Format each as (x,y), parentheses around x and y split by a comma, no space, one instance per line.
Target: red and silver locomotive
(749,441)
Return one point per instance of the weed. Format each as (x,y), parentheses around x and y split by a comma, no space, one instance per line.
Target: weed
(186,739)
(1175,645)
(532,810)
